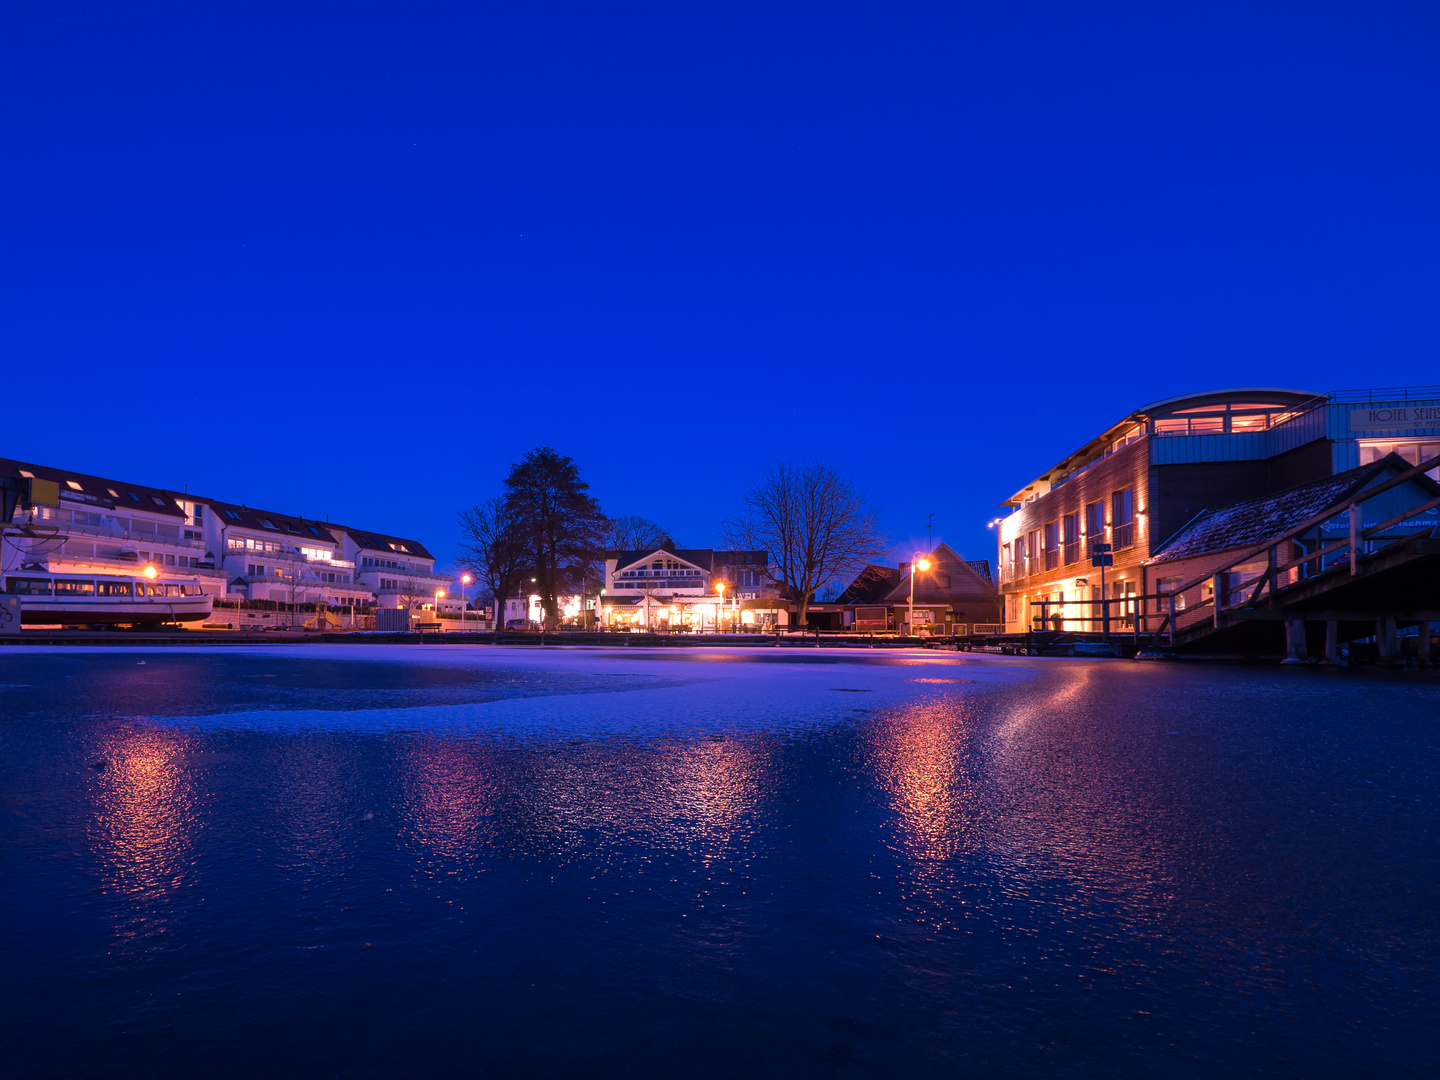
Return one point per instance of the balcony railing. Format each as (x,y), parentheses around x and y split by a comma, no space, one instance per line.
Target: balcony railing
(1052,558)
(1124,536)
(390,571)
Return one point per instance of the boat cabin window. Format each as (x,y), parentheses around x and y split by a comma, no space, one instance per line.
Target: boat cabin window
(74,588)
(112,588)
(24,586)
(173,590)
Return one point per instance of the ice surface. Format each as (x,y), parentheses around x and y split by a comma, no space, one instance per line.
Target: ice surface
(635,691)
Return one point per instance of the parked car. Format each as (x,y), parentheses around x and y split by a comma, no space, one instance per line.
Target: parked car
(522,624)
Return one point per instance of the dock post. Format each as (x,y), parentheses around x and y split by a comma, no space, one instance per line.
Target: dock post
(1172,620)
(1422,647)
(1386,642)
(1332,641)
(1295,647)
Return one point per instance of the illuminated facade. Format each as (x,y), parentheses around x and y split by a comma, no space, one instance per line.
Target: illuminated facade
(78,524)
(91,529)
(1143,479)
(700,589)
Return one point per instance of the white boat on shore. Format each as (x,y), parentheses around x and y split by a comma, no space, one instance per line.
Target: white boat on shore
(88,599)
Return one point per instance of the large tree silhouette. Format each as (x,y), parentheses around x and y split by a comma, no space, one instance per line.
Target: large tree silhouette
(559,524)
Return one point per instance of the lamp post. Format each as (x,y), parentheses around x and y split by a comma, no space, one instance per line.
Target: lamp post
(720,604)
(438,594)
(920,563)
(464,597)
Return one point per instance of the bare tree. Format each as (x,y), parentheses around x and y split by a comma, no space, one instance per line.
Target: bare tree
(494,550)
(634,533)
(813,524)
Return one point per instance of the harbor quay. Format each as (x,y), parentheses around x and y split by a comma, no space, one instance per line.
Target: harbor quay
(1242,523)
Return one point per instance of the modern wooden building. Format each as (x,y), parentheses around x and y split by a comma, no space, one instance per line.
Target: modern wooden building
(1140,481)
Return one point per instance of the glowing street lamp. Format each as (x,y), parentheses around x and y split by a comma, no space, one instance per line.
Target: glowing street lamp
(920,562)
(438,594)
(720,606)
(464,596)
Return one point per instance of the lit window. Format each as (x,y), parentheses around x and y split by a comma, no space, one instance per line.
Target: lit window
(113,493)
(74,486)
(27,474)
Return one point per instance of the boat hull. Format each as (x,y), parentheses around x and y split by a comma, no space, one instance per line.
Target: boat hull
(64,611)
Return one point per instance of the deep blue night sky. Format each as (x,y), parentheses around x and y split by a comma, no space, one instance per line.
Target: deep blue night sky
(356,258)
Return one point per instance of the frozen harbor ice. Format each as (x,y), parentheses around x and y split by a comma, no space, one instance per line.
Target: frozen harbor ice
(382,861)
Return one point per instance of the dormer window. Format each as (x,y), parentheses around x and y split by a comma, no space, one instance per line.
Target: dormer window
(157,500)
(291,527)
(73,485)
(113,493)
(314,530)
(27,474)
(133,496)
(267,523)
(232,515)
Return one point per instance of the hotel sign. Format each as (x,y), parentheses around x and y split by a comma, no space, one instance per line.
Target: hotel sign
(1395,418)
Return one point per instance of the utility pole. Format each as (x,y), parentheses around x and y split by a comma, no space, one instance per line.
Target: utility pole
(930,533)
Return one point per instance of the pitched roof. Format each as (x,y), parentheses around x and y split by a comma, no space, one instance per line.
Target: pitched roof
(374,541)
(707,559)
(871,585)
(1254,521)
(698,557)
(83,489)
(950,579)
(295,528)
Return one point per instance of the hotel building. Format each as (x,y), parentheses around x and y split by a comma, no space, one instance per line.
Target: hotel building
(1143,479)
(701,589)
(76,523)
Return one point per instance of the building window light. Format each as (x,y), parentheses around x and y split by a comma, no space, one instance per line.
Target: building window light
(27,474)
(73,485)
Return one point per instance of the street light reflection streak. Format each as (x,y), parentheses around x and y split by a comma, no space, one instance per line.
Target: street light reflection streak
(145,818)
(920,756)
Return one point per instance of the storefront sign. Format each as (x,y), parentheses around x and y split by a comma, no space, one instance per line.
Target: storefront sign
(1395,418)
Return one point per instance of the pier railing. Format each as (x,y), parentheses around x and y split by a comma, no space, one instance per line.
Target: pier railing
(1283,571)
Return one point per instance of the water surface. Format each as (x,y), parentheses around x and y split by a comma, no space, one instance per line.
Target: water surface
(465,861)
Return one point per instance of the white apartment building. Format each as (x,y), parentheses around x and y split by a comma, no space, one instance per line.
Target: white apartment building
(83,524)
(398,572)
(90,525)
(271,556)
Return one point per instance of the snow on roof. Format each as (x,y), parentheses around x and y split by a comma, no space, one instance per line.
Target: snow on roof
(1251,523)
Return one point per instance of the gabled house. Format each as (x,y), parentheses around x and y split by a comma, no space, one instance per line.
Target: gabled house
(950,597)
(698,588)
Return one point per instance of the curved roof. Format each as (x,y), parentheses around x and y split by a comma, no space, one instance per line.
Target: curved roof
(1243,394)
(1293,397)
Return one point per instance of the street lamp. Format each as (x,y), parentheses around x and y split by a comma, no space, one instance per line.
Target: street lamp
(919,563)
(464,597)
(438,594)
(720,605)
